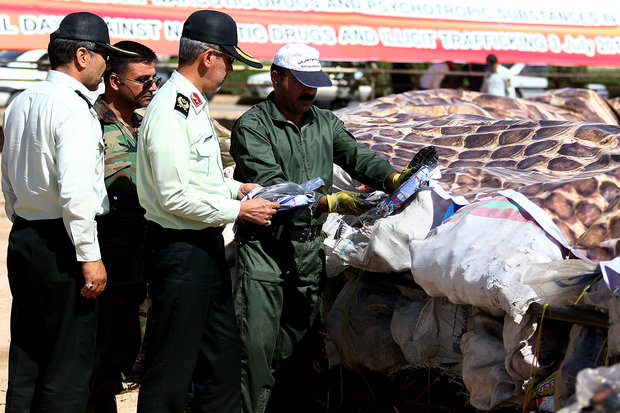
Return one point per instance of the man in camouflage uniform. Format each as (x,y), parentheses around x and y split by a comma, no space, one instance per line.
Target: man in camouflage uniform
(129,85)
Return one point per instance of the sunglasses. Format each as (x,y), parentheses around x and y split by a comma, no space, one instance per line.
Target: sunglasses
(146,84)
(232,58)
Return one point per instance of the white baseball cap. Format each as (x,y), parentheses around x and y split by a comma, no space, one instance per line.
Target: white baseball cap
(303,62)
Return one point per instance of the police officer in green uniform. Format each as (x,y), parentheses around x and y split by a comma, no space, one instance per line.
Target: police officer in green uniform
(130,84)
(280,268)
(188,200)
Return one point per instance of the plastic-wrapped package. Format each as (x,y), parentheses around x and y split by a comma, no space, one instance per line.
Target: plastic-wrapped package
(597,390)
(403,192)
(289,195)
(384,245)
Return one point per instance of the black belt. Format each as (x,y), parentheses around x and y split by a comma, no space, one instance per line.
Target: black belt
(278,232)
(153,227)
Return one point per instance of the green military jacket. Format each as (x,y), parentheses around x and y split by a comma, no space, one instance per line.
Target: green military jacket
(268,149)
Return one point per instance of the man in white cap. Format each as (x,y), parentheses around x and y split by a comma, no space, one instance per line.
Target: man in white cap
(280,268)
(52,180)
(181,186)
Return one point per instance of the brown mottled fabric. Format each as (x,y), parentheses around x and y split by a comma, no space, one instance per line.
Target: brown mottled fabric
(561,149)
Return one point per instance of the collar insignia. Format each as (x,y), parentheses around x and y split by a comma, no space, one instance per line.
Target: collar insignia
(196,99)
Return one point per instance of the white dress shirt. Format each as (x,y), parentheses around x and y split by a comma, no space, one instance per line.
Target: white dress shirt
(179,173)
(52,161)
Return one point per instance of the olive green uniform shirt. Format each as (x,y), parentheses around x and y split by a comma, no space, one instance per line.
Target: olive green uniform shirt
(268,149)
(279,282)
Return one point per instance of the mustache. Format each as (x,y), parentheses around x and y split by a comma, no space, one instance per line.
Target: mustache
(306,96)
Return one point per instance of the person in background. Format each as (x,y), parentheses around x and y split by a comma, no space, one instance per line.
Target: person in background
(497,79)
(475,80)
(52,180)
(438,76)
(194,340)
(130,84)
(281,267)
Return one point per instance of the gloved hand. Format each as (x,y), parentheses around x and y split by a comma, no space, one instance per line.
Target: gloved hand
(348,203)
(425,156)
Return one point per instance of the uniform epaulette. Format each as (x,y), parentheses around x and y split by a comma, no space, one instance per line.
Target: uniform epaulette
(181,104)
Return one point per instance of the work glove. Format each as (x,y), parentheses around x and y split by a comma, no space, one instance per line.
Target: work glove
(348,203)
(425,156)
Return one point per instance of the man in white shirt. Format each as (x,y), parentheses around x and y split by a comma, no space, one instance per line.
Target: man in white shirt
(181,185)
(52,180)
(436,74)
(497,79)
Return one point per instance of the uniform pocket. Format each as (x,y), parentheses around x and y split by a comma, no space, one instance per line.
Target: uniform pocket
(256,264)
(205,146)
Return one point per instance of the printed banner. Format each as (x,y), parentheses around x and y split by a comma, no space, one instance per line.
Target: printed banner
(354,30)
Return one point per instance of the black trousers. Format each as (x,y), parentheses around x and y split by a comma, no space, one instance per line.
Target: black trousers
(118,344)
(53,328)
(119,335)
(194,341)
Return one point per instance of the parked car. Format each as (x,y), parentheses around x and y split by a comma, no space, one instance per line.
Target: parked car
(344,89)
(527,85)
(599,88)
(18,71)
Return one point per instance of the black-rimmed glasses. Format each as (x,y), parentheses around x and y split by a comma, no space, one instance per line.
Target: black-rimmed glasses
(146,84)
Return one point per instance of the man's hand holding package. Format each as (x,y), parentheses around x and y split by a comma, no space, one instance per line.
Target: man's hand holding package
(258,211)
(425,156)
(245,189)
(348,203)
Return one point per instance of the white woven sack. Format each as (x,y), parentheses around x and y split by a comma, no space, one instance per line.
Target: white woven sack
(479,255)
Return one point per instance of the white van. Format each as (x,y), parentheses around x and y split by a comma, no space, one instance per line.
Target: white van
(528,84)
(19,70)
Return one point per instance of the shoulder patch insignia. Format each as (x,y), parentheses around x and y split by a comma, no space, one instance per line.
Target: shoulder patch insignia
(182,104)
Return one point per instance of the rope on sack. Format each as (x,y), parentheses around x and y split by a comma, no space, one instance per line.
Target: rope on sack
(587,287)
(602,352)
(530,386)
